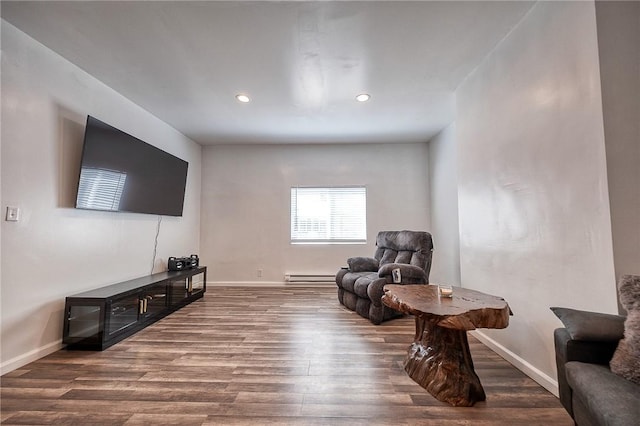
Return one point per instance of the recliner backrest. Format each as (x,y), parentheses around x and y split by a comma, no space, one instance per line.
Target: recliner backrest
(410,247)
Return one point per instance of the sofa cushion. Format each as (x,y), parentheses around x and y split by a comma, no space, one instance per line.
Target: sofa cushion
(584,325)
(626,358)
(608,398)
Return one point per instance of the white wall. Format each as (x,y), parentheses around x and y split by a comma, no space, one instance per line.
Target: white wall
(619,50)
(533,198)
(246,197)
(54,250)
(443,176)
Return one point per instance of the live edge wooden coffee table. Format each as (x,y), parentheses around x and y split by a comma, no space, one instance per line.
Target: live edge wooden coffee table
(439,359)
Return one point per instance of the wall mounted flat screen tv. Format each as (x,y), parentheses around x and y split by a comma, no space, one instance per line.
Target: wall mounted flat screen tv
(119,172)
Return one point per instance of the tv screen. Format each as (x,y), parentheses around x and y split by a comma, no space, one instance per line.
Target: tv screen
(122,173)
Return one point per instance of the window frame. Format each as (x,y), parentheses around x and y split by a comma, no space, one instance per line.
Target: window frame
(330,240)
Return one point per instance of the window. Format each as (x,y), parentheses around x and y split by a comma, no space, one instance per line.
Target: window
(329,215)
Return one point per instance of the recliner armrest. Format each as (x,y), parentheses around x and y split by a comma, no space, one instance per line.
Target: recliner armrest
(340,275)
(363,264)
(409,273)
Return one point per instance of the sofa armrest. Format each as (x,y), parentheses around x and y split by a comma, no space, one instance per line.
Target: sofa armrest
(591,326)
(363,264)
(591,351)
(561,341)
(410,274)
(589,337)
(568,349)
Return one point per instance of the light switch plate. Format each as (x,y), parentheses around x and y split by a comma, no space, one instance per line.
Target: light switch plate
(13,214)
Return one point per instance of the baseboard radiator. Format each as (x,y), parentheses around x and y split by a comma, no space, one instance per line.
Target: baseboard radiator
(291,278)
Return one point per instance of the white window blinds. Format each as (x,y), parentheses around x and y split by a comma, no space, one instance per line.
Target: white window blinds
(329,215)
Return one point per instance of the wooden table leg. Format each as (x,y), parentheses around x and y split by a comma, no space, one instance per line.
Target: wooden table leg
(439,360)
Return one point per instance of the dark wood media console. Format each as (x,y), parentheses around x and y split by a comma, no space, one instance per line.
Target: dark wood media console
(97,319)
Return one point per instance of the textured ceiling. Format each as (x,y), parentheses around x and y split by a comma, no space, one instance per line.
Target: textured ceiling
(302,63)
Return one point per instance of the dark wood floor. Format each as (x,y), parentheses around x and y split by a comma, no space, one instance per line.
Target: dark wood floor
(262,356)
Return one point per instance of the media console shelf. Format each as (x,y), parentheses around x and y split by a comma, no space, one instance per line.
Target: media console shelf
(97,319)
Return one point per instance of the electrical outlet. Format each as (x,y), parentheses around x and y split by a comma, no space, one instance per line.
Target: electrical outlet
(13,214)
(259,273)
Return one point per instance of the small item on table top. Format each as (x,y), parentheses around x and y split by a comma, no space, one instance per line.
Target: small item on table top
(445,290)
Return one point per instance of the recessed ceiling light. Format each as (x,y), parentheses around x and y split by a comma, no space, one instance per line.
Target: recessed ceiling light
(363,97)
(243,98)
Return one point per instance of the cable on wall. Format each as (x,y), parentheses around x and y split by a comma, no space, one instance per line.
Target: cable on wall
(155,244)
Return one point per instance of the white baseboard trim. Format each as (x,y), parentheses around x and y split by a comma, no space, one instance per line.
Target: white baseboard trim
(266,284)
(33,355)
(541,378)
(245,284)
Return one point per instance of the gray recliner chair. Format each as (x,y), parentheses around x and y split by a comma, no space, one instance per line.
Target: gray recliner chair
(401,257)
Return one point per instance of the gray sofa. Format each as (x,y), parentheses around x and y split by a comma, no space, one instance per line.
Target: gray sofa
(590,392)
(360,285)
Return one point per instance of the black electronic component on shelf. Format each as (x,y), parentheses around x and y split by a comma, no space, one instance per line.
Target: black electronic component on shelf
(181,263)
